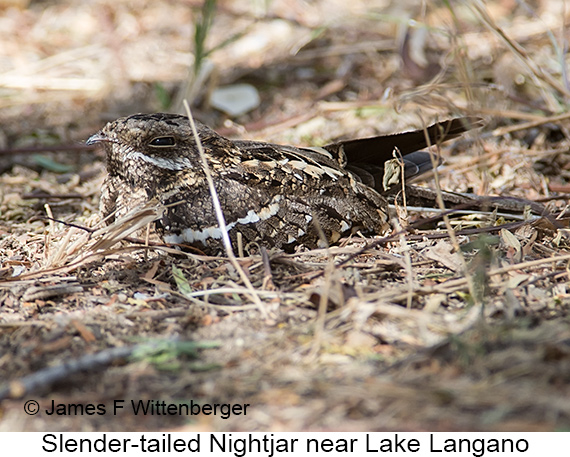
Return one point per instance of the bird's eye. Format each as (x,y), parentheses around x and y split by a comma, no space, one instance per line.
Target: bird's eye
(163,141)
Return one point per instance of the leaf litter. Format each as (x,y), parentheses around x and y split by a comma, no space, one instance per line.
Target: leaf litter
(457,325)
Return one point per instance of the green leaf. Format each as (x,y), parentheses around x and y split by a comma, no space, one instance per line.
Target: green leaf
(48,164)
(183,285)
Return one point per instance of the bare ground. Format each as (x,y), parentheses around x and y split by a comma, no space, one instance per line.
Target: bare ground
(437,329)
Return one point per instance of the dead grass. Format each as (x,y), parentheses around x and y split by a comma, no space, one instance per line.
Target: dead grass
(411,333)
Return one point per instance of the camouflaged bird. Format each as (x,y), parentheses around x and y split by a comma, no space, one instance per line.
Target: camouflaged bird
(274,195)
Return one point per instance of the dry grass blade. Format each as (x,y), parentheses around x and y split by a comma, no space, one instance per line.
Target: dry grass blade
(518,50)
(135,220)
(220,216)
(450,230)
(324,293)
(455,285)
(72,250)
(337,334)
(533,123)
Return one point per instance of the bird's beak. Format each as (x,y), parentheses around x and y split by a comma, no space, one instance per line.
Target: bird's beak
(99,137)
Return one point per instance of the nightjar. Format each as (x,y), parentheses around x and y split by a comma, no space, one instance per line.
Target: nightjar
(274,195)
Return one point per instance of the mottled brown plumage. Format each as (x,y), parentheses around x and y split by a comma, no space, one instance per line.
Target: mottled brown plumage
(274,195)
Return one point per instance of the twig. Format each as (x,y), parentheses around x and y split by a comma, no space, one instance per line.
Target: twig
(267,274)
(55,147)
(45,195)
(531,124)
(48,376)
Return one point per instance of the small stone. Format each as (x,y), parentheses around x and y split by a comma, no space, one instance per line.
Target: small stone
(236,99)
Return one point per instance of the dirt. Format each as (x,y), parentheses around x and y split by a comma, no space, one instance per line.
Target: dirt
(445,327)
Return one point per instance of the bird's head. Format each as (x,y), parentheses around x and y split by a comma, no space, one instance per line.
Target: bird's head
(147,146)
